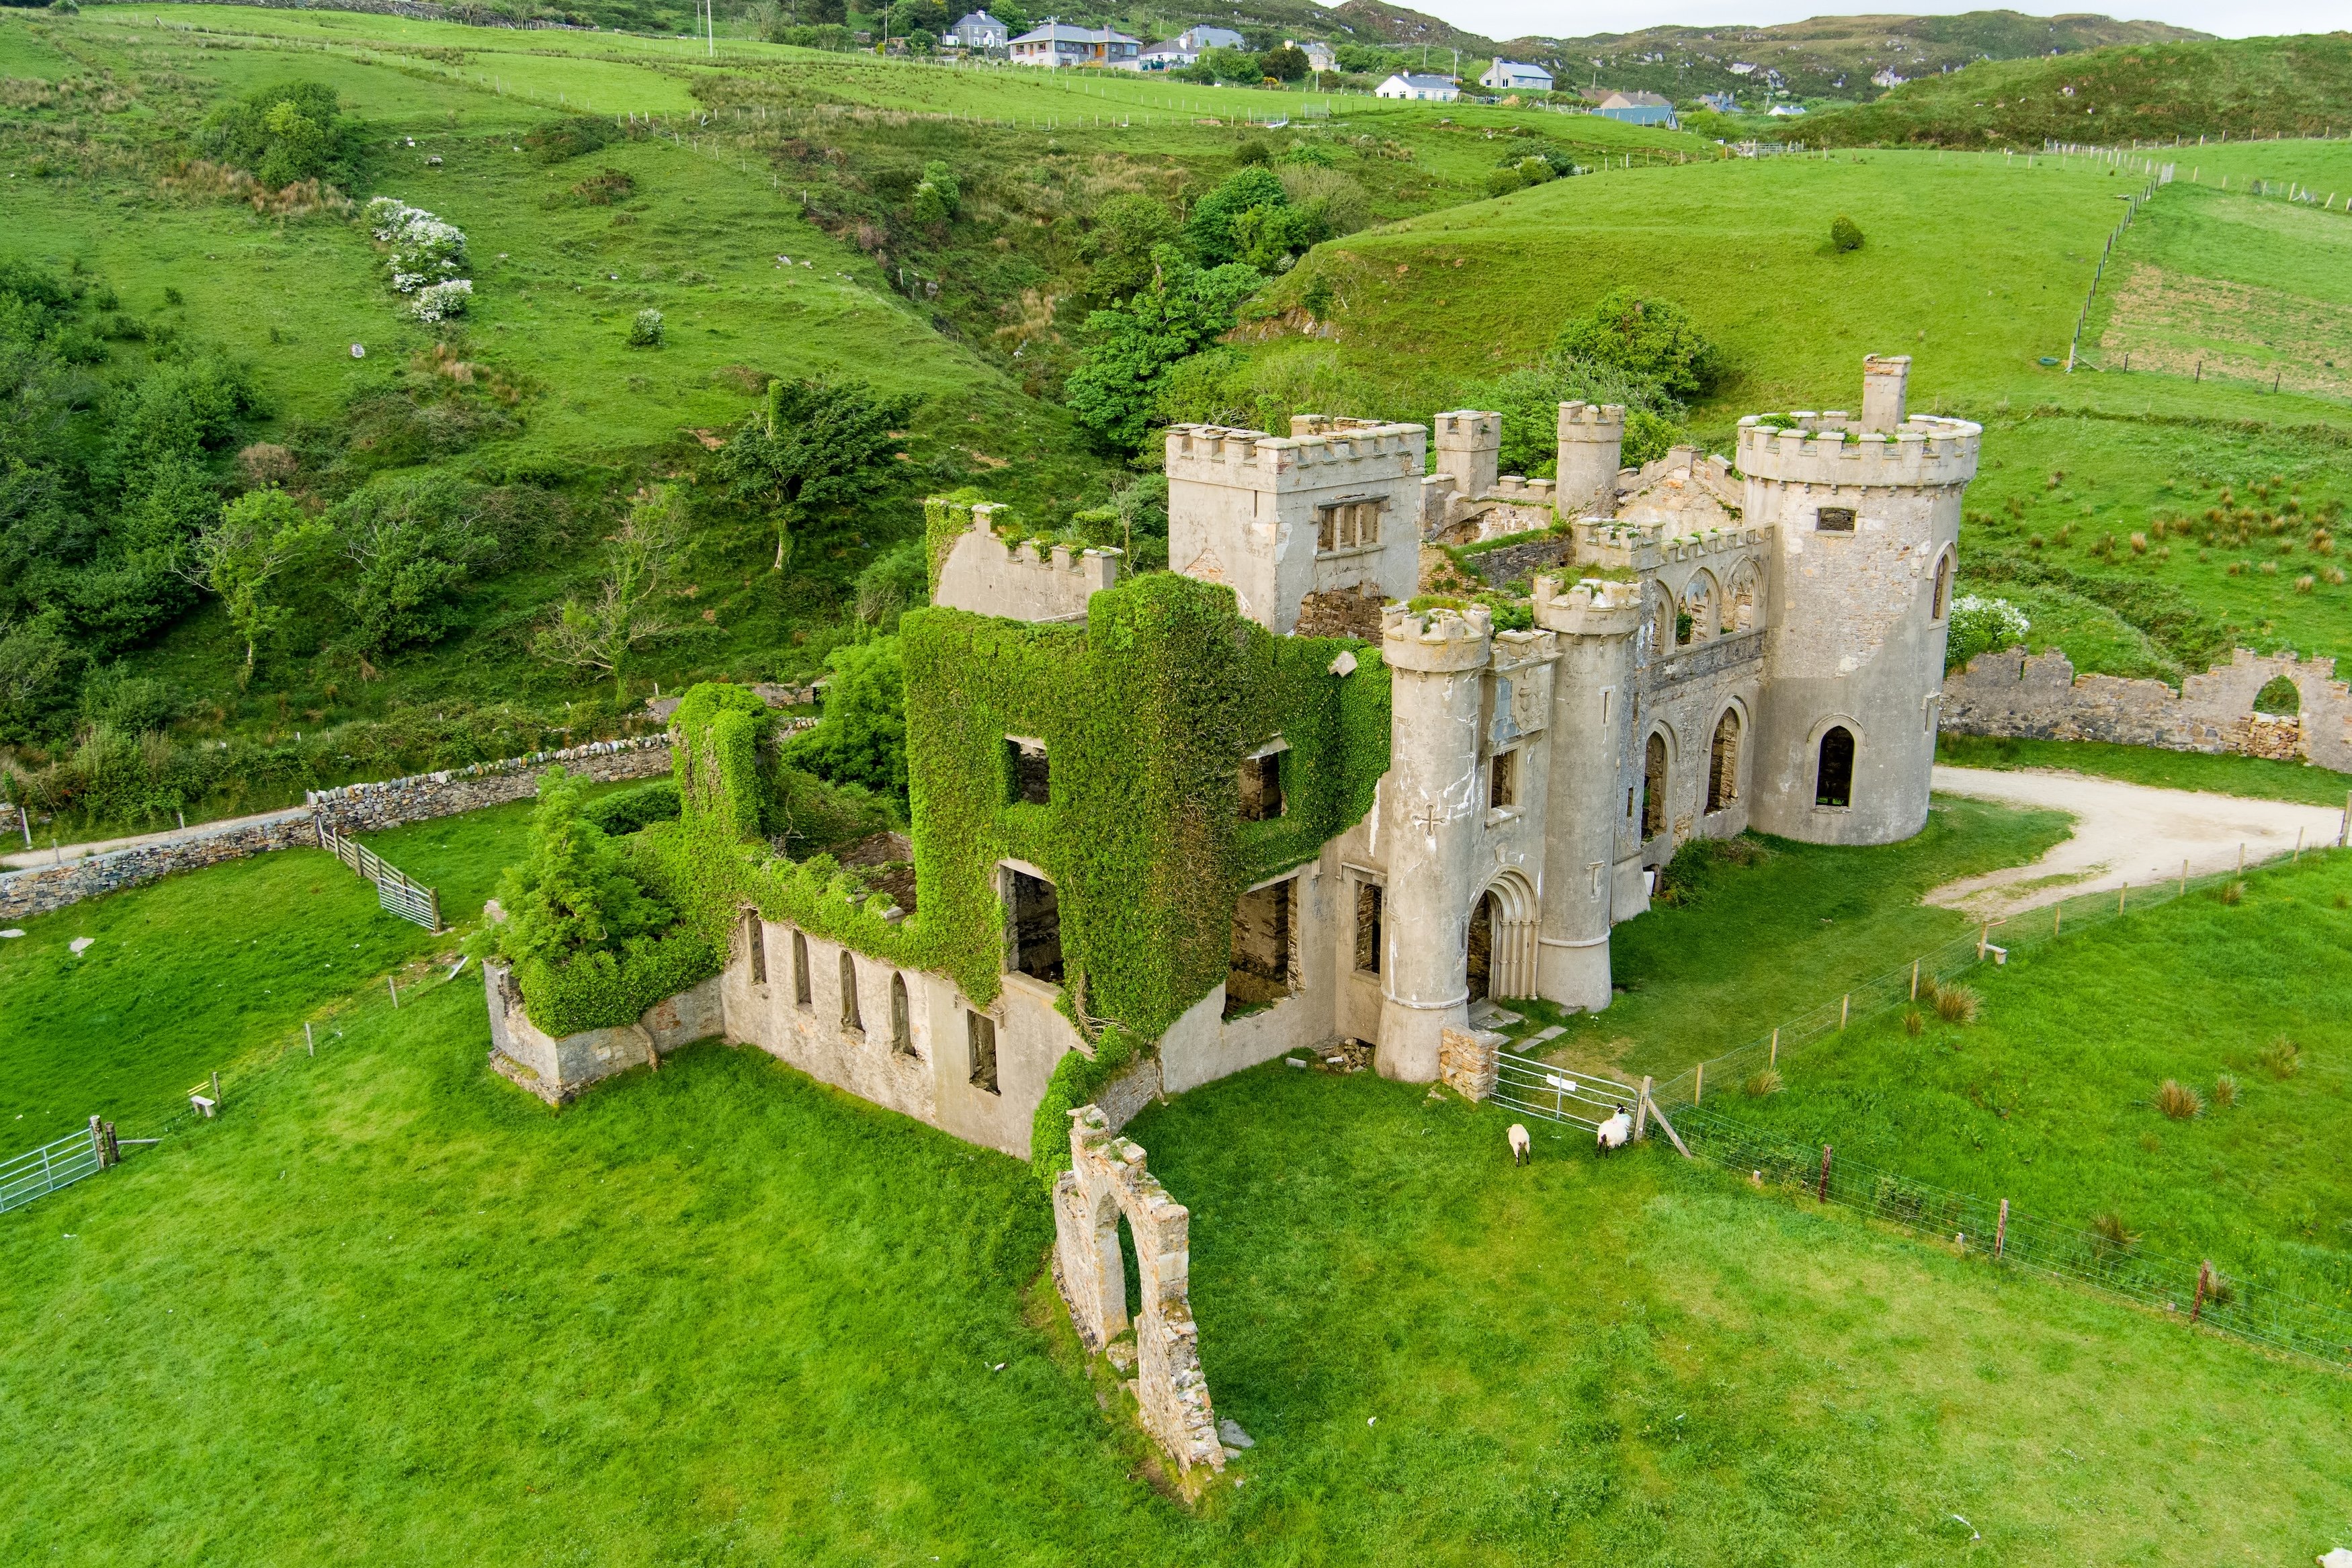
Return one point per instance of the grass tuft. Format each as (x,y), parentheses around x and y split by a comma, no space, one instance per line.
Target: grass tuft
(1759,1084)
(2225,1092)
(2177,1101)
(1914,1020)
(1956,1004)
(2281,1058)
(2233,892)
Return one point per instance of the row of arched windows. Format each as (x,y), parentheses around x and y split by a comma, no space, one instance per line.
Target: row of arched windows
(1708,609)
(1833,772)
(902,1034)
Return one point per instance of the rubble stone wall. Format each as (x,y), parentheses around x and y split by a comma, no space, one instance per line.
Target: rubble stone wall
(25,893)
(420,797)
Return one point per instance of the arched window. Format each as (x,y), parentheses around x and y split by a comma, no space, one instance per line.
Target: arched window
(755,940)
(1654,787)
(902,1031)
(802,984)
(1943,605)
(1723,762)
(1742,609)
(1695,623)
(1658,629)
(1834,784)
(1479,967)
(849,1016)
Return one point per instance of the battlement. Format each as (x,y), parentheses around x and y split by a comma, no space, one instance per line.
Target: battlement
(1347,452)
(1592,422)
(1470,429)
(1594,607)
(983,574)
(1526,492)
(1437,640)
(1833,449)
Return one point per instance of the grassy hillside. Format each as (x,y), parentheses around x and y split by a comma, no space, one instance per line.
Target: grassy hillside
(2154,92)
(397,1312)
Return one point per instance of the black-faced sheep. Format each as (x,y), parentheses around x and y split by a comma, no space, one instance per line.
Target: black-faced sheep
(1613,1133)
(1519,1141)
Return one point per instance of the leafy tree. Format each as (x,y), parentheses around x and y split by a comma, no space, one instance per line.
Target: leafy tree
(1217,216)
(938,194)
(1222,64)
(818,444)
(1653,337)
(1126,229)
(1129,349)
(1287,63)
(39,667)
(413,544)
(285,133)
(862,738)
(257,536)
(895,582)
(573,894)
(600,634)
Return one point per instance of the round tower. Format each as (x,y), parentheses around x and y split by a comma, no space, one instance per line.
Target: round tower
(1865,526)
(1592,707)
(1592,442)
(1431,811)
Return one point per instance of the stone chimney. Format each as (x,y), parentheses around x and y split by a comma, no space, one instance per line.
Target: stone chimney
(1882,379)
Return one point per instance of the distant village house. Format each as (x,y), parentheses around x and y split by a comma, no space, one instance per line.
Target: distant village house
(979,30)
(1636,108)
(1056,44)
(1513,76)
(1418,89)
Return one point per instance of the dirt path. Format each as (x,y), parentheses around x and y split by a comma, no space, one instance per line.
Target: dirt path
(2123,832)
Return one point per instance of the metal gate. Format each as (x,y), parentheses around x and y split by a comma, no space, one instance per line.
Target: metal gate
(395,890)
(1559,1093)
(49,1167)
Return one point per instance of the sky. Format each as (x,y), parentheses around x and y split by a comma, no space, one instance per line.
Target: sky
(1580,18)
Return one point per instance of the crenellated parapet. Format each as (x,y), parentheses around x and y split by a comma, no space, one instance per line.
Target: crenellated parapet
(1336,452)
(983,573)
(1595,607)
(1833,450)
(1435,642)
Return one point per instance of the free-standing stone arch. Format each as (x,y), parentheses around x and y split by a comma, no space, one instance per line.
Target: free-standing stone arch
(1107,1179)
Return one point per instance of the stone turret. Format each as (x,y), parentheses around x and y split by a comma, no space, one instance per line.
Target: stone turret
(1432,812)
(1592,707)
(1470,450)
(1592,441)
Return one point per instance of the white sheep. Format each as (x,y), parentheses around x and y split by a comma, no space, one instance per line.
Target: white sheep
(1518,1137)
(1614,1131)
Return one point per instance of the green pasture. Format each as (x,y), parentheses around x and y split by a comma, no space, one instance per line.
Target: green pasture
(388,1308)
(2048,1097)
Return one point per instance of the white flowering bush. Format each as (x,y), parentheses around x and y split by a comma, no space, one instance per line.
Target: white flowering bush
(424,250)
(646,332)
(439,301)
(1979,625)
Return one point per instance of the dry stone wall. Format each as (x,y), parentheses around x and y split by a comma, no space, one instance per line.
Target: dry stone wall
(2039,696)
(367,808)
(25,893)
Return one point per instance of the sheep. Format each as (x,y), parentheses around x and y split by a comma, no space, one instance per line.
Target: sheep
(1518,1137)
(1613,1133)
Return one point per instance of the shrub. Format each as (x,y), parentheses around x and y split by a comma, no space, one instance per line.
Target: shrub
(423,249)
(645,330)
(1845,234)
(1502,181)
(938,194)
(2109,1227)
(604,187)
(2176,1100)
(2281,1058)
(1762,1083)
(1980,625)
(440,301)
(2225,1092)
(1652,337)
(285,134)
(626,810)
(1956,1004)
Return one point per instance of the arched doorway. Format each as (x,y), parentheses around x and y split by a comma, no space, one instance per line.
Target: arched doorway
(1833,780)
(1723,762)
(1481,947)
(1654,787)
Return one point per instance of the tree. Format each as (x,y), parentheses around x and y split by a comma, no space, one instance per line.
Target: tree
(1129,349)
(1219,214)
(1287,63)
(572,894)
(818,444)
(285,133)
(257,536)
(413,544)
(1126,229)
(938,194)
(1653,337)
(601,633)
(862,739)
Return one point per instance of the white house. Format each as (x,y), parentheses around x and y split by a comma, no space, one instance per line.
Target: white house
(1421,88)
(1320,56)
(1512,76)
(1786,111)
(1056,44)
(1186,47)
(1636,108)
(979,30)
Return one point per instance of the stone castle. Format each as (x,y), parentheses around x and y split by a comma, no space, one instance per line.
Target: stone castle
(1756,641)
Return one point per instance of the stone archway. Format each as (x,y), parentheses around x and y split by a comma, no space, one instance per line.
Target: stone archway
(1106,1181)
(1509,905)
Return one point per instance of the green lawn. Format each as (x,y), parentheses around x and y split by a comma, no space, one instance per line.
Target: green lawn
(2254,777)
(2048,1098)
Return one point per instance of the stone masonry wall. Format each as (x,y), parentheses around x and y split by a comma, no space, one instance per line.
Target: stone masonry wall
(2040,697)
(25,893)
(366,808)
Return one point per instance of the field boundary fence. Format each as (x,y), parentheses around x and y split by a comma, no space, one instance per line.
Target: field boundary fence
(2159,176)
(36,1172)
(397,892)
(1963,1222)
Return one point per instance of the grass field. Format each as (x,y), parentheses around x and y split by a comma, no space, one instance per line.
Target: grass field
(390,1309)
(2048,1098)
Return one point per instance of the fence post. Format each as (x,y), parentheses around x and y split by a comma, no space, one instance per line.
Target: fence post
(1641,1111)
(2204,1283)
(1984,934)
(1698,1083)
(216,1094)
(98,1140)
(1823,1193)
(1845,1008)
(393,987)
(2241,859)
(2057,914)
(1915,979)
(1776,1046)
(2000,1231)
(2119,897)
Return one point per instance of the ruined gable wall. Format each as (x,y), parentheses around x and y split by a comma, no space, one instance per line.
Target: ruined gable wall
(2040,697)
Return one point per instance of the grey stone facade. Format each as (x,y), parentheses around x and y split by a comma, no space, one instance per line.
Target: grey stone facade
(2040,697)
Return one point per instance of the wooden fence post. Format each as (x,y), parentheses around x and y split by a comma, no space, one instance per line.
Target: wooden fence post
(2204,1285)
(98,1140)
(1698,1083)
(1984,934)
(2000,1231)
(1845,1010)
(2057,913)
(216,1094)
(309,1043)
(393,987)
(1915,979)
(1642,1110)
(2120,891)
(1776,1046)
(1823,1193)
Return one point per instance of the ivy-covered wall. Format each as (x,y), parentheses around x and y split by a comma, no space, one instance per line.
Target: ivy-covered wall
(1145,711)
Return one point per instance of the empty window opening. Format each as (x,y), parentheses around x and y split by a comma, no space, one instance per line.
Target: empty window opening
(1661,623)
(1029,776)
(1696,622)
(902,1029)
(1834,520)
(1503,781)
(1943,601)
(850,1017)
(980,1036)
(1741,610)
(1654,787)
(1262,787)
(1347,525)
(1131,1271)
(1367,927)
(1034,918)
(755,942)
(1482,947)
(1723,763)
(1834,785)
(802,981)
(2279,698)
(1261,970)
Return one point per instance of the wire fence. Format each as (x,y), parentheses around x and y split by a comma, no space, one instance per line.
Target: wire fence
(2111,1259)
